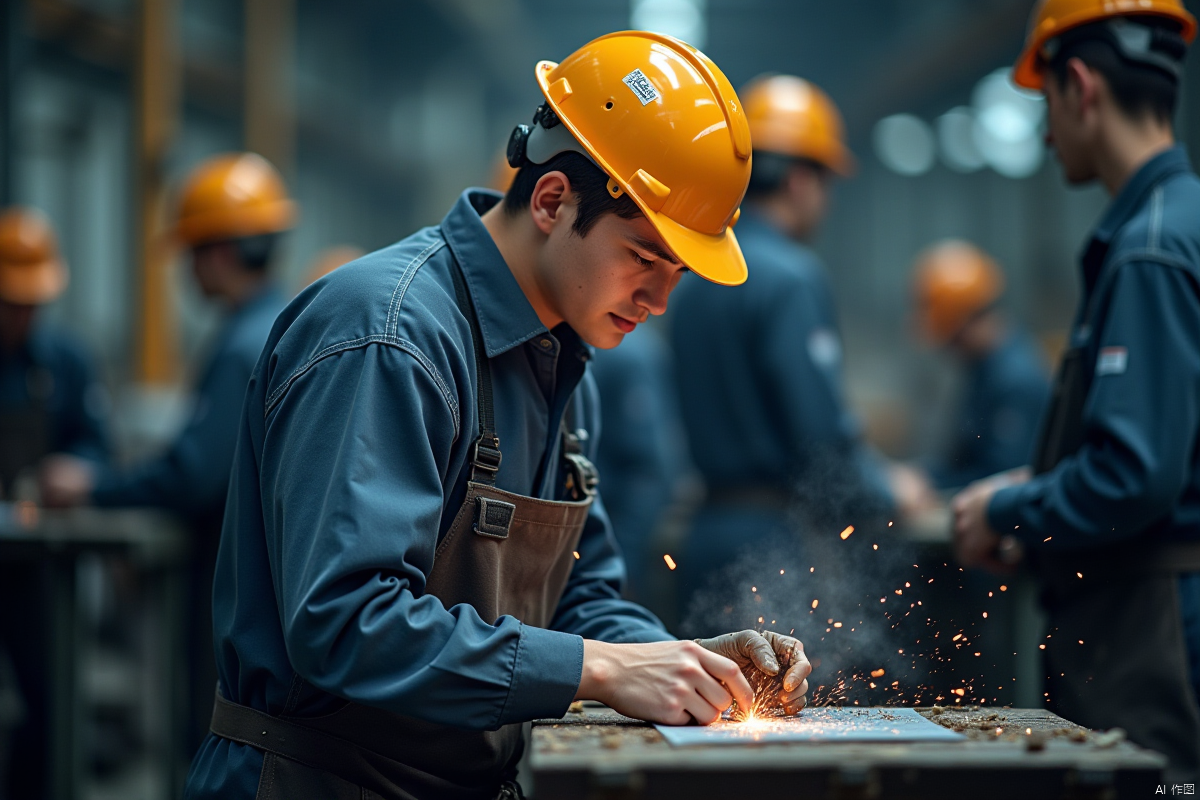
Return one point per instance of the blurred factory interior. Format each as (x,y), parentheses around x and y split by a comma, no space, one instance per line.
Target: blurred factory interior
(378,114)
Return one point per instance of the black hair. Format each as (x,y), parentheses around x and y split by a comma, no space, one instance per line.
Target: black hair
(1139,88)
(769,172)
(255,251)
(588,183)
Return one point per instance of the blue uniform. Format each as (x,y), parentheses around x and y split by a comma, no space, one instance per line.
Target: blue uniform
(1123,473)
(349,468)
(191,477)
(1137,473)
(1003,401)
(640,453)
(760,380)
(54,371)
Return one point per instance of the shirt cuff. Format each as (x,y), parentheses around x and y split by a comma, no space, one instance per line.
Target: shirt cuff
(546,675)
(1004,511)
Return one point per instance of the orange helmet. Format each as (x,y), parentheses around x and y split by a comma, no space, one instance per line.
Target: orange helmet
(1051,18)
(31,272)
(666,126)
(232,196)
(953,281)
(792,117)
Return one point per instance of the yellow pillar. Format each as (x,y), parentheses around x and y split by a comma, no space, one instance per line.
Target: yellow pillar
(158,89)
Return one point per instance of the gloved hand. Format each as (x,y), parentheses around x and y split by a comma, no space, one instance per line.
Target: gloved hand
(767,653)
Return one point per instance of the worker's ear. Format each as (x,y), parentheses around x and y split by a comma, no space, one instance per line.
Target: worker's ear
(1081,87)
(551,197)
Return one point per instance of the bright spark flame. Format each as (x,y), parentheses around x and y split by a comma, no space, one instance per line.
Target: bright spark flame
(576,554)
(846,533)
(670,561)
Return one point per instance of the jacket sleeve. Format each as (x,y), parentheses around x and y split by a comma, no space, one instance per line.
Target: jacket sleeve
(86,430)
(591,605)
(192,476)
(1140,423)
(354,460)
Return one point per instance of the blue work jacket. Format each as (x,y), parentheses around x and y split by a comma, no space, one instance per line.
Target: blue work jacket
(54,370)
(191,477)
(997,420)
(1138,470)
(351,464)
(760,371)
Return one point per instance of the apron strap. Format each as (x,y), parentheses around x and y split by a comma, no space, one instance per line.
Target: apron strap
(485,452)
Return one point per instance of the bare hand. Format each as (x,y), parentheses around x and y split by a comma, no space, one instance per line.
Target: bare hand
(672,683)
(66,481)
(912,490)
(975,543)
(765,652)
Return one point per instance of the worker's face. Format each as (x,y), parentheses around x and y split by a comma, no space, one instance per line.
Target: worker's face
(808,192)
(16,322)
(211,264)
(606,283)
(1071,120)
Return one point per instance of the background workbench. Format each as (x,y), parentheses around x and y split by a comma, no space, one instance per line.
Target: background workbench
(597,753)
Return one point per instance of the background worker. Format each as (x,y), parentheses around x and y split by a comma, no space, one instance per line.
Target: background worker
(415,560)
(760,367)
(1108,521)
(50,402)
(641,453)
(232,211)
(957,290)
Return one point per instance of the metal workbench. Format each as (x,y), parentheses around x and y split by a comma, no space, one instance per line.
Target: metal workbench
(599,754)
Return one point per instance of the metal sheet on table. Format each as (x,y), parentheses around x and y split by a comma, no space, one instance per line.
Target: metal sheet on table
(816,725)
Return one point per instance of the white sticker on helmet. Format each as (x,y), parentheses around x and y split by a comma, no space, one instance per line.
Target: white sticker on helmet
(641,86)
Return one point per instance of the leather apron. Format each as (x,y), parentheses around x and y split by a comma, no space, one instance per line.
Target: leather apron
(1131,670)
(506,555)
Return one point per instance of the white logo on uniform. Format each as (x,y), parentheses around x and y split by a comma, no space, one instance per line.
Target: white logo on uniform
(641,86)
(1112,361)
(824,348)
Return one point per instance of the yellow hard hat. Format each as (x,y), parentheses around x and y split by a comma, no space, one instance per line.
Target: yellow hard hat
(31,272)
(232,196)
(792,117)
(953,281)
(1051,18)
(664,123)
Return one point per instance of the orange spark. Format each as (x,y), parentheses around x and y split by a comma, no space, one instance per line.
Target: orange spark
(1004,588)
(877,673)
(576,554)
(846,533)
(670,561)
(815,603)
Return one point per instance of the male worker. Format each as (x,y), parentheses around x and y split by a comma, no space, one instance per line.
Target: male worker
(760,367)
(415,560)
(1111,517)
(50,402)
(232,211)
(957,290)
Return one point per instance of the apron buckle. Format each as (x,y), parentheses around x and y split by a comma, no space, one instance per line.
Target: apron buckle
(486,456)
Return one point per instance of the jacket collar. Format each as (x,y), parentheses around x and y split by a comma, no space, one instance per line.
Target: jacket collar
(1132,196)
(506,319)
